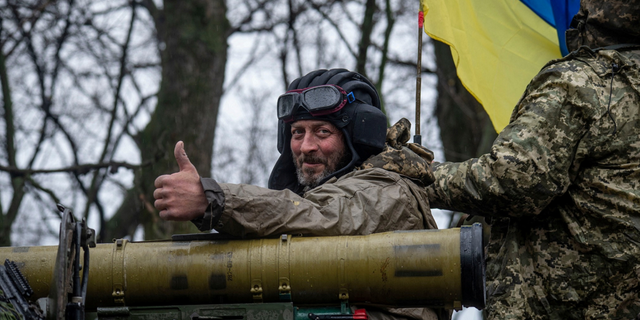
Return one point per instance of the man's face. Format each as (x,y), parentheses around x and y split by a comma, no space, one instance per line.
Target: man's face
(318,150)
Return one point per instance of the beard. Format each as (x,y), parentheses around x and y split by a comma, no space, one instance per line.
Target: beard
(309,177)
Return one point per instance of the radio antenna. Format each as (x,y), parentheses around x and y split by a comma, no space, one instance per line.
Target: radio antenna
(417,138)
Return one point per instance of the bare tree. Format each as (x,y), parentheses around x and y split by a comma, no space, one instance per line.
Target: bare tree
(52,107)
(96,93)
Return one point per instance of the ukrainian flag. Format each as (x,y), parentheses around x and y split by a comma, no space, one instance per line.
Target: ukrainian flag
(498,46)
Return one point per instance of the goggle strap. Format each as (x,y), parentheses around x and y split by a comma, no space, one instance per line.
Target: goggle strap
(351,97)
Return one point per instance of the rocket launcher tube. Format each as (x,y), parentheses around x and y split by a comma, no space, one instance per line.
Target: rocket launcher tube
(421,268)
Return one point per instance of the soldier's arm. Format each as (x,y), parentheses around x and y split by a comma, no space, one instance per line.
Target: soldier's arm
(530,163)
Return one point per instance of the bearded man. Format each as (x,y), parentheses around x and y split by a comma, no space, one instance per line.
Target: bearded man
(335,175)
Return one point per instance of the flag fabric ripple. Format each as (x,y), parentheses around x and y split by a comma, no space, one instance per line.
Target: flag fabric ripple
(499,45)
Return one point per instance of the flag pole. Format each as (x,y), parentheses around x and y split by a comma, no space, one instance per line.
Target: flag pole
(417,138)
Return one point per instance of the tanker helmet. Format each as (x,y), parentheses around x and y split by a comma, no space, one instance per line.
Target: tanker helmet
(347,100)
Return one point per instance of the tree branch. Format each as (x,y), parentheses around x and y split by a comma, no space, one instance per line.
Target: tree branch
(150,6)
(76,169)
(247,20)
(365,39)
(410,64)
(59,43)
(318,8)
(109,148)
(246,65)
(385,53)
(50,192)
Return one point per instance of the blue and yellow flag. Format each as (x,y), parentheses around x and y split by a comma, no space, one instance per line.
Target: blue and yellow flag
(498,46)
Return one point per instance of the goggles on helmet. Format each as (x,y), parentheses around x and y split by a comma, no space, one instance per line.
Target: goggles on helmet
(318,101)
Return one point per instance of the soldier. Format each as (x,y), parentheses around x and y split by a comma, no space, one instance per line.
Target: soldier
(561,184)
(335,175)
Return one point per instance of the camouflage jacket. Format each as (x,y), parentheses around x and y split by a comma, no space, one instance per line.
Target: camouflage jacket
(562,185)
(386,193)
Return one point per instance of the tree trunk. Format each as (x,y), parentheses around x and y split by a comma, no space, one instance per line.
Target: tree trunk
(17,183)
(192,39)
(365,37)
(465,128)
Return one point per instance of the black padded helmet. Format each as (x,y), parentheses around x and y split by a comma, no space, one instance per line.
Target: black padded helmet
(362,122)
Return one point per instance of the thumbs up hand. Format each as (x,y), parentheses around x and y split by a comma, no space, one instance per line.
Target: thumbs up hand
(180,196)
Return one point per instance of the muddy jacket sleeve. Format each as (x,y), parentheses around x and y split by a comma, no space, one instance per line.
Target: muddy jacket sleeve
(215,197)
(361,202)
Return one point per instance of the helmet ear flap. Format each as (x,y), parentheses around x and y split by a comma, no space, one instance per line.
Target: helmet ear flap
(369,130)
(364,92)
(281,135)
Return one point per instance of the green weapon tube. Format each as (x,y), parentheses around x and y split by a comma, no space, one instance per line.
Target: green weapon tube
(438,268)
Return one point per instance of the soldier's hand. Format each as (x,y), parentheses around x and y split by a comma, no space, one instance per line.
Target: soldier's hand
(180,196)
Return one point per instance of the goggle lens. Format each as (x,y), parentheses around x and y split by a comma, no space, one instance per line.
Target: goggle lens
(322,98)
(318,101)
(286,102)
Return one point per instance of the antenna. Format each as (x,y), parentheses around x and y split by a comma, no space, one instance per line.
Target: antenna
(417,138)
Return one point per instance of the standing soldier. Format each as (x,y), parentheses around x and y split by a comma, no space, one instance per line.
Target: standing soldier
(561,185)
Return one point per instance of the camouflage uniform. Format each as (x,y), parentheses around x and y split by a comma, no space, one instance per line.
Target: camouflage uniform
(7,311)
(386,193)
(562,182)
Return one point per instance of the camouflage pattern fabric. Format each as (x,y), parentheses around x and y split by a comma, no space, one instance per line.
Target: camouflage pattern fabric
(562,186)
(408,159)
(7,311)
(604,23)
